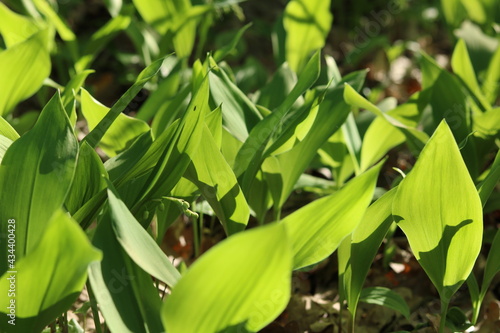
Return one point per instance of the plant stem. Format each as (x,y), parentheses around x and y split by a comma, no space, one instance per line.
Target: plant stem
(444,311)
(93,306)
(196,237)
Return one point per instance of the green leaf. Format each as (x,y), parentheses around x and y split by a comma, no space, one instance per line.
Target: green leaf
(486,187)
(138,244)
(307,23)
(220,302)
(26,65)
(4,145)
(439,210)
(224,51)
(249,156)
(332,113)
(88,179)
(492,264)
(15,28)
(127,298)
(415,138)
(239,114)
(278,87)
(96,135)
(40,165)
(363,245)
(51,16)
(7,130)
(462,67)
(454,12)
(59,263)
(210,172)
(449,102)
(317,229)
(385,297)
(122,132)
(490,84)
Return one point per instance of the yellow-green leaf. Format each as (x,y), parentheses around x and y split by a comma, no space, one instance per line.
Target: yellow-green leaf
(221,302)
(23,67)
(317,229)
(59,264)
(307,23)
(438,208)
(122,132)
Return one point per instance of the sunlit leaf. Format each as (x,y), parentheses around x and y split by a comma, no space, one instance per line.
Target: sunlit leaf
(210,172)
(138,244)
(307,23)
(439,210)
(122,132)
(26,65)
(220,302)
(317,229)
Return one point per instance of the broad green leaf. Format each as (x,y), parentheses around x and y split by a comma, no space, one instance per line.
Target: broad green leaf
(122,132)
(15,28)
(210,172)
(169,109)
(307,23)
(41,163)
(59,264)
(249,156)
(385,297)
(118,166)
(363,247)
(332,113)
(439,210)
(183,141)
(7,130)
(220,302)
(462,67)
(88,179)
(317,229)
(127,298)
(415,138)
(26,65)
(294,130)
(378,140)
(138,244)
(239,114)
(382,136)
(95,136)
